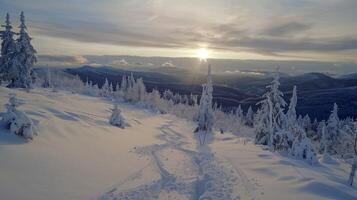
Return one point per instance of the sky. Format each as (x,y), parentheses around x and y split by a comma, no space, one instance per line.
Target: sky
(323,30)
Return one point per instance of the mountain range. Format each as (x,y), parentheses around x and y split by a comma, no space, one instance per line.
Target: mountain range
(316,91)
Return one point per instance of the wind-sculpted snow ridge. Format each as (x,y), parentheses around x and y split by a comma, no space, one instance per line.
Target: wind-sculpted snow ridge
(208,179)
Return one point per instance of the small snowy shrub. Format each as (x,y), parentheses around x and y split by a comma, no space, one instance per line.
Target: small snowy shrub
(302,148)
(117,119)
(17,121)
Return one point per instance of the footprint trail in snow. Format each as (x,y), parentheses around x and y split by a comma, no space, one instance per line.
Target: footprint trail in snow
(209,179)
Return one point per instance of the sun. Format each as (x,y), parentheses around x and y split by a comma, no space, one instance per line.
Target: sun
(202,53)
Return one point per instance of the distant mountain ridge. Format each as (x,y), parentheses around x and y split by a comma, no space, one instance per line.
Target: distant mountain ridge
(316,91)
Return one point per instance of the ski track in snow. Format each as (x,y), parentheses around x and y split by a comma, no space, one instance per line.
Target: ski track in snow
(212,180)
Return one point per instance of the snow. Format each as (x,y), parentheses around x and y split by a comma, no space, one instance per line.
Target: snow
(79,155)
(271,176)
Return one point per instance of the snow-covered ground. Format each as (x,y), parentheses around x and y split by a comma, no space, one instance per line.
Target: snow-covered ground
(79,155)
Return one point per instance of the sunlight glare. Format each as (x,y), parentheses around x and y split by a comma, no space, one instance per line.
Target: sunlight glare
(202,54)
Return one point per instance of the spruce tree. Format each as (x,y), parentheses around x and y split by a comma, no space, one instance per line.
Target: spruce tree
(332,130)
(105,90)
(249,116)
(240,115)
(123,85)
(205,114)
(24,59)
(117,119)
(291,113)
(8,51)
(272,113)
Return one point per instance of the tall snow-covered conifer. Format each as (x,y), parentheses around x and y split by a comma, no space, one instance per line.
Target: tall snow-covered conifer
(24,59)
(123,85)
(240,115)
(271,116)
(105,90)
(291,113)
(332,130)
(8,51)
(205,113)
(249,116)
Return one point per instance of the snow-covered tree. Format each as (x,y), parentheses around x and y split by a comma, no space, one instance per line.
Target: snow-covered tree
(271,116)
(315,124)
(47,82)
(95,90)
(291,113)
(306,123)
(117,87)
(131,80)
(123,85)
(154,100)
(262,124)
(319,134)
(325,143)
(8,51)
(347,147)
(249,117)
(302,148)
(105,90)
(111,90)
(168,95)
(17,121)
(239,115)
(117,119)
(205,114)
(117,91)
(24,59)
(332,130)
(141,89)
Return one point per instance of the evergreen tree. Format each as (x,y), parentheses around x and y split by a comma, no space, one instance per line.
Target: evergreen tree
(262,123)
(306,123)
(117,119)
(332,130)
(325,143)
(24,59)
(117,87)
(105,90)
(272,112)
(319,128)
(123,85)
(249,116)
(205,114)
(17,121)
(47,82)
(168,95)
(141,90)
(8,51)
(302,148)
(131,80)
(240,115)
(291,113)
(110,89)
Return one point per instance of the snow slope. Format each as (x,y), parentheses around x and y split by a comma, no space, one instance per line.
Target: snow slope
(274,176)
(79,155)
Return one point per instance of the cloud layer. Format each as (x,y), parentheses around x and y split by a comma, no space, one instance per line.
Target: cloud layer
(306,29)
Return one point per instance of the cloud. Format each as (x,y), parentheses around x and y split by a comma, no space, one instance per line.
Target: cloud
(120,62)
(168,64)
(61,60)
(268,28)
(268,44)
(286,29)
(252,73)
